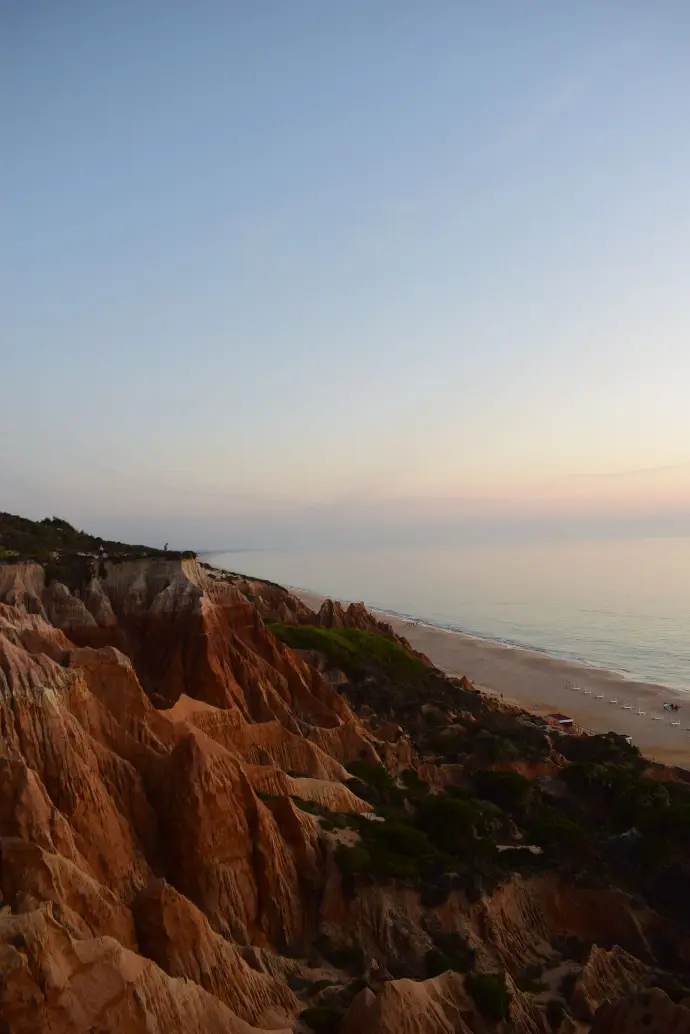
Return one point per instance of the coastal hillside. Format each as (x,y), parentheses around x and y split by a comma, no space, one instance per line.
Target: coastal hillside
(223,811)
(54,538)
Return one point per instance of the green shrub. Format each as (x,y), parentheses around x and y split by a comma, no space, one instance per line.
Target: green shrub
(415,786)
(355,651)
(495,748)
(518,859)
(435,962)
(671,824)
(40,539)
(308,637)
(397,849)
(452,822)
(490,994)
(664,834)
(42,555)
(507,789)
(602,748)
(402,840)
(322,1019)
(557,831)
(455,948)
(352,860)
(309,806)
(372,774)
(621,795)
(329,819)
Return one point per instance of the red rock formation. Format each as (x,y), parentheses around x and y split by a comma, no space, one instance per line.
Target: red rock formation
(333,615)
(438,1006)
(605,977)
(649,1012)
(100,792)
(178,937)
(272,601)
(54,982)
(156,871)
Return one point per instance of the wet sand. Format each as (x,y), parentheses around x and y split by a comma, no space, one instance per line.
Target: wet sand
(543,684)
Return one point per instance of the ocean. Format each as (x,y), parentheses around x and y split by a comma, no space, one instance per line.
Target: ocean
(622,605)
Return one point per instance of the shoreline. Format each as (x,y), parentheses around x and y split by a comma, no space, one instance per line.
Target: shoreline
(538,682)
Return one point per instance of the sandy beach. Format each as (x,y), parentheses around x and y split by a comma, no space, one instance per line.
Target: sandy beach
(541,683)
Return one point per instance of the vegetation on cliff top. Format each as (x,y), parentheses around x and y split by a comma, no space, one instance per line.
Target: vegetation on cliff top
(599,816)
(23,539)
(356,652)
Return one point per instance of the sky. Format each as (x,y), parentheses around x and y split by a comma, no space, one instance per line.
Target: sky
(274,273)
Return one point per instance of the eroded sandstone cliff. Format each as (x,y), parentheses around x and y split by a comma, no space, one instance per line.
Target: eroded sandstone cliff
(182,846)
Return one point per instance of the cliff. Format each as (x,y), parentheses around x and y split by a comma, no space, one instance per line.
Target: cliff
(204,829)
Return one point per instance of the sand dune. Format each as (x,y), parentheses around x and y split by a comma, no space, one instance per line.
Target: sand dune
(541,683)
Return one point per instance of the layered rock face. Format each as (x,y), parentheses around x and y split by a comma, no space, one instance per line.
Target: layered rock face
(165,863)
(438,1006)
(108,803)
(649,1012)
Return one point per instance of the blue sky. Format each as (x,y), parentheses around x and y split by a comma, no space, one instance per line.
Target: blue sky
(285,271)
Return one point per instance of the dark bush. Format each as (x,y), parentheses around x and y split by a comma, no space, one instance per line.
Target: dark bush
(567,984)
(309,806)
(669,824)
(519,859)
(348,957)
(40,539)
(435,963)
(356,652)
(375,775)
(397,849)
(530,985)
(402,840)
(297,983)
(494,748)
(415,786)
(353,988)
(396,857)
(556,831)
(506,788)
(322,1019)
(318,985)
(352,860)
(451,822)
(490,994)
(555,1013)
(606,747)
(620,794)
(455,948)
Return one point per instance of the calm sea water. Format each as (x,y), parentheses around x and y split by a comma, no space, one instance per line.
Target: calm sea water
(623,605)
